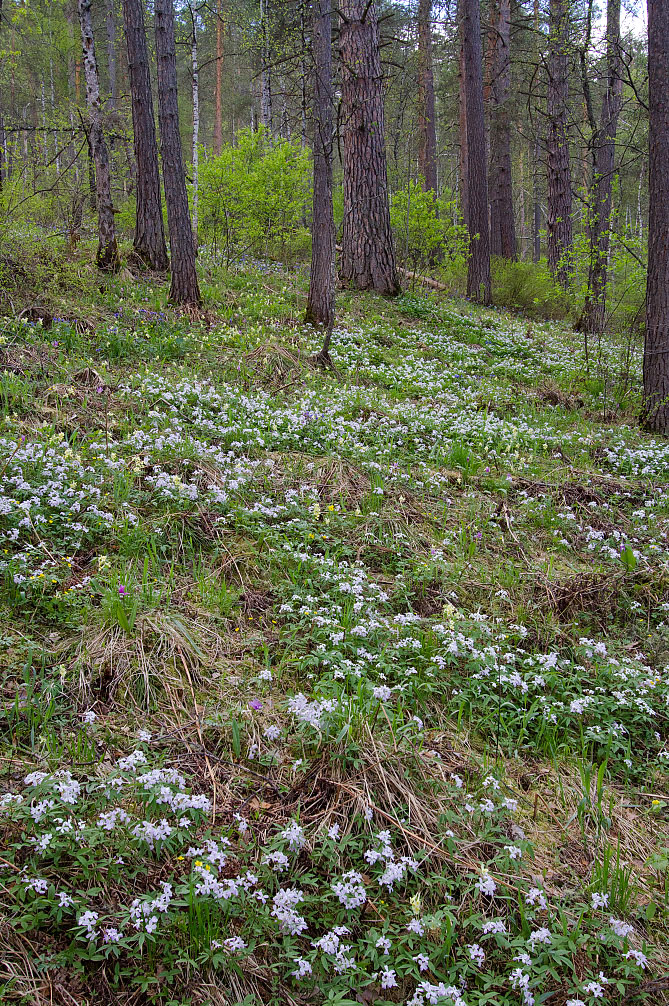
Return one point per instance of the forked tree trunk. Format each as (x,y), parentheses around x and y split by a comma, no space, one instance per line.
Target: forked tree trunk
(594,311)
(478,272)
(502,224)
(107,256)
(321,300)
(184,288)
(559,196)
(218,112)
(427,134)
(656,348)
(149,242)
(368,253)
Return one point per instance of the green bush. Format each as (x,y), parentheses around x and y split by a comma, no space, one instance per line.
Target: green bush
(427,228)
(254,198)
(529,287)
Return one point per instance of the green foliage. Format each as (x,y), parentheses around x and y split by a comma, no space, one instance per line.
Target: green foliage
(529,287)
(427,228)
(254,198)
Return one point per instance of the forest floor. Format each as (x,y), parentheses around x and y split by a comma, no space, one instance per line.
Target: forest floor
(317,687)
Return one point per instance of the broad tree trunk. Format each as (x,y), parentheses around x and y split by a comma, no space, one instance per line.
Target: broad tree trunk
(502,224)
(604,166)
(656,348)
(184,288)
(427,134)
(368,253)
(107,256)
(218,113)
(478,272)
(149,242)
(321,300)
(559,195)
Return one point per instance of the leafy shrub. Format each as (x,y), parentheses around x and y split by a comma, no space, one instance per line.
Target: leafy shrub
(427,227)
(529,287)
(255,197)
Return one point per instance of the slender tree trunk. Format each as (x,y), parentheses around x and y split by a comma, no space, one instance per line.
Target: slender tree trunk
(111,54)
(462,123)
(559,222)
(184,288)
(604,166)
(427,135)
(502,224)
(107,255)
(218,113)
(196,129)
(149,242)
(656,348)
(265,72)
(321,300)
(478,272)
(368,253)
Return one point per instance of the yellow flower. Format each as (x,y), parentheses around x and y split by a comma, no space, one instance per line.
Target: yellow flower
(414,901)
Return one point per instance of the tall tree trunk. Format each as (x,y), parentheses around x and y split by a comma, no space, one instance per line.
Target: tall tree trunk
(559,196)
(321,300)
(462,125)
(536,199)
(196,128)
(184,288)
(149,242)
(478,272)
(218,112)
(656,348)
(107,256)
(368,253)
(604,165)
(111,53)
(265,71)
(502,224)
(427,135)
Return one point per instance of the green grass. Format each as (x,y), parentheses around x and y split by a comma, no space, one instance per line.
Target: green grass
(429,598)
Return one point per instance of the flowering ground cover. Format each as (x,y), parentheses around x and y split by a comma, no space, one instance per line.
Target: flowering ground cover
(329,687)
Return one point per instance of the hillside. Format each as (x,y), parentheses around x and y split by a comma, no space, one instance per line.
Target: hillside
(344,687)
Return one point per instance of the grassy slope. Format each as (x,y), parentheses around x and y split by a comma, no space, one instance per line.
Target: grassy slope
(428,598)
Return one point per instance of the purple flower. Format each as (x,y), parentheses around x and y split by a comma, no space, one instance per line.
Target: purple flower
(255,704)
(122,591)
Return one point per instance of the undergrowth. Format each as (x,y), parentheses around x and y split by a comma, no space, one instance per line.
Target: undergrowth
(320,689)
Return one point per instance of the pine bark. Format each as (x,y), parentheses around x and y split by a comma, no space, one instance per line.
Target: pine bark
(559,194)
(656,348)
(427,133)
(502,223)
(107,257)
(184,288)
(478,272)
(321,300)
(149,241)
(368,253)
(218,94)
(594,312)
